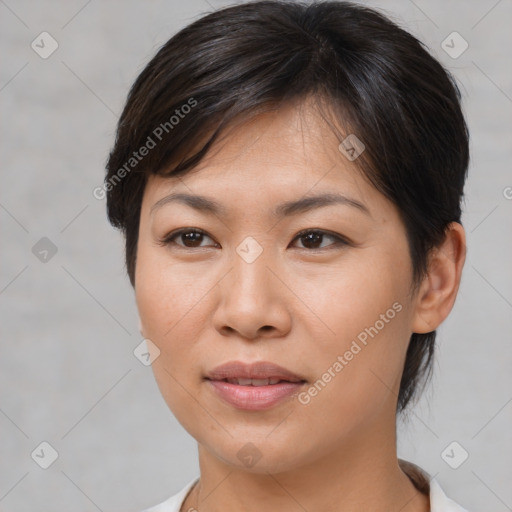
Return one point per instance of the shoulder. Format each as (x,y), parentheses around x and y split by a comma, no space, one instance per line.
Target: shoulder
(174,503)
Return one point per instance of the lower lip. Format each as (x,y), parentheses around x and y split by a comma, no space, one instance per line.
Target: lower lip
(254,398)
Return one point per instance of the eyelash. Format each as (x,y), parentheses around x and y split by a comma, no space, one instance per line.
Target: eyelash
(339,240)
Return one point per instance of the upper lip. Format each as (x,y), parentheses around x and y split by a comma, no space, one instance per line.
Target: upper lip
(256,370)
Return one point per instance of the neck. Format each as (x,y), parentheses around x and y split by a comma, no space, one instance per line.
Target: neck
(362,473)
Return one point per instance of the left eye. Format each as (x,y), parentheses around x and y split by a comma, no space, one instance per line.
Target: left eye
(313,239)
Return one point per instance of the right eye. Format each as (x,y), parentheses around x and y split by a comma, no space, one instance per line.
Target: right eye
(189,237)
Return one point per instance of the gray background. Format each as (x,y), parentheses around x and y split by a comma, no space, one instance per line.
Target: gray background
(68,375)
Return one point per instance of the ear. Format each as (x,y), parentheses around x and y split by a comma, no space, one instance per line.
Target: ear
(438,290)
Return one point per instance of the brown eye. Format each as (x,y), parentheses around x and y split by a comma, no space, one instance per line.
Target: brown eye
(189,238)
(314,239)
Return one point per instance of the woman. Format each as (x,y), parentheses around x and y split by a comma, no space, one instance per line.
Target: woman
(288,179)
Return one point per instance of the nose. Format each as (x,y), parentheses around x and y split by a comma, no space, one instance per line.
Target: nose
(253,302)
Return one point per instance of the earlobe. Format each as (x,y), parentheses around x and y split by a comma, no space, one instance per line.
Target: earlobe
(437,292)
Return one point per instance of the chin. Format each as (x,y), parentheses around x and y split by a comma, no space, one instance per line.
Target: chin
(258,454)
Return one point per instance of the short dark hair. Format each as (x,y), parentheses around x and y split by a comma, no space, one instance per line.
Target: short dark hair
(376,79)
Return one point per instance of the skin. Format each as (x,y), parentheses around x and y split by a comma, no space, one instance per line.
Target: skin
(297,305)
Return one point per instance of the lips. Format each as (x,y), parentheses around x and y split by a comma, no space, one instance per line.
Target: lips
(259,373)
(254,382)
(253,387)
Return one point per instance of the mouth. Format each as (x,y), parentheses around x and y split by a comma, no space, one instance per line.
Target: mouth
(259,373)
(255,382)
(255,386)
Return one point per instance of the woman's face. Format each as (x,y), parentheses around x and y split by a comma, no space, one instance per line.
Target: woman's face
(333,306)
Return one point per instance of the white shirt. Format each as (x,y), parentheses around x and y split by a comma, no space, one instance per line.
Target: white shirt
(439,502)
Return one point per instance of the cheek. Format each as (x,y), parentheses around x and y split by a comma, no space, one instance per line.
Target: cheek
(168,297)
(172,312)
(353,295)
(168,293)
(367,311)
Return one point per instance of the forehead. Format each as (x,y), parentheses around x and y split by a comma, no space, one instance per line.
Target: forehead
(274,156)
(293,138)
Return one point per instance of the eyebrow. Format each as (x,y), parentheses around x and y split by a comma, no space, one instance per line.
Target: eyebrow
(286,209)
